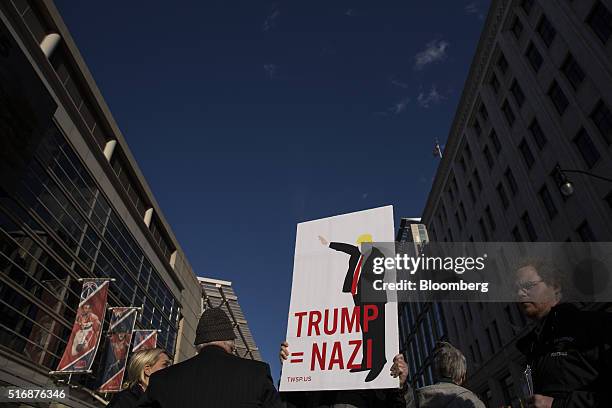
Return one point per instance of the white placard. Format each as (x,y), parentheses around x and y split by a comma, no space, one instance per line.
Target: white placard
(334,314)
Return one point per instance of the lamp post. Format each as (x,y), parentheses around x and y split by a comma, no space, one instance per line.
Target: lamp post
(565,185)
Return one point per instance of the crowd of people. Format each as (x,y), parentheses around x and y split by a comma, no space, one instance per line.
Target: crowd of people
(568,353)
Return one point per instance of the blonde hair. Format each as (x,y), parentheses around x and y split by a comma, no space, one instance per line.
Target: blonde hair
(364,238)
(139,361)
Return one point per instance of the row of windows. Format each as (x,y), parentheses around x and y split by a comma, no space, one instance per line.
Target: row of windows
(58,226)
(61,62)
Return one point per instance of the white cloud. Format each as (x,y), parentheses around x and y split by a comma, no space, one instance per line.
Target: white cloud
(271,69)
(400,106)
(350,13)
(472,8)
(398,83)
(270,22)
(431,98)
(434,51)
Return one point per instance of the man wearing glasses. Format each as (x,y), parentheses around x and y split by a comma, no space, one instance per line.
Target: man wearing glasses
(569,351)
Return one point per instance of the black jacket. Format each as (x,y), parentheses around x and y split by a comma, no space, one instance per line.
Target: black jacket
(127,398)
(570,353)
(366,292)
(212,379)
(384,398)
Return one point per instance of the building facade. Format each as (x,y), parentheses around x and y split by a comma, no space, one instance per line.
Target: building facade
(538,95)
(421,324)
(220,293)
(73,204)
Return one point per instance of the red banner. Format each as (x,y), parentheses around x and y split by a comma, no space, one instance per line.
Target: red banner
(85,336)
(144,340)
(120,334)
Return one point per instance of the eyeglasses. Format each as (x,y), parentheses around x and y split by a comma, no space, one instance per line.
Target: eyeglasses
(527,286)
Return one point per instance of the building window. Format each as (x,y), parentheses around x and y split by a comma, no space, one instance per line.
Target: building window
(548,202)
(501,192)
(483,112)
(531,232)
(518,94)
(495,141)
(471,191)
(538,134)
(534,57)
(490,339)
(608,199)
(478,181)
(450,194)
(546,30)
(527,5)
(468,152)
(600,21)
(602,118)
(587,149)
(526,153)
(517,27)
(497,334)
(558,98)
(516,234)
(488,157)
(585,232)
(477,127)
(483,230)
(462,163)
(463,214)
(458,220)
(502,63)
(572,71)
(511,181)
(490,218)
(508,113)
(494,83)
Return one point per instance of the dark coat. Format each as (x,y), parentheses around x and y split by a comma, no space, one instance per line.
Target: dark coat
(127,398)
(366,292)
(570,354)
(384,398)
(212,379)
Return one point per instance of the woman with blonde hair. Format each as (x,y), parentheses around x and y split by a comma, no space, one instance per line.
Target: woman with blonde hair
(142,365)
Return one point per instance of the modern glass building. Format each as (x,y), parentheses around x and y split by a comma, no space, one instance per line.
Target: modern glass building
(73,204)
(421,323)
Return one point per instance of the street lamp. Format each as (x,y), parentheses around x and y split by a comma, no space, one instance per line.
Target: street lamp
(565,185)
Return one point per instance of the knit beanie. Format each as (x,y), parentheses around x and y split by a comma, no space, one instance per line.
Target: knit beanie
(214,325)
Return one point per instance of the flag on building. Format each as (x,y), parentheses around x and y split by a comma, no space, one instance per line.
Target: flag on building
(144,340)
(87,329)
(117,348)
(437,151)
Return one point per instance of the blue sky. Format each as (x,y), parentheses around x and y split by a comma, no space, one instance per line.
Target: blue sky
(247,117)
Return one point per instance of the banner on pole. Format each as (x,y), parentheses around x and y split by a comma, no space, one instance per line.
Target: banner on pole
(342,334)
(119,337)
(85,336)
(144,340)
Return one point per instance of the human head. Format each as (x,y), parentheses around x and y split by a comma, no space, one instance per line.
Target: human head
(215,329)
(144,363)
(86,308)
(449,362)
(363,238)
(538,286)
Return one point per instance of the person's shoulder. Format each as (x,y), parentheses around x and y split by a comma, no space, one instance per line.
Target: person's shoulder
(122,399)
(253,364)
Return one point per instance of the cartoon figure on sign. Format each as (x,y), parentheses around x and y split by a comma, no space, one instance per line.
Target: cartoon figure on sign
(88,328)
(359,283)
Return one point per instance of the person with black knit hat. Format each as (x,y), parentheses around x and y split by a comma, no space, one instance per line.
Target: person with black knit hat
(215,377)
